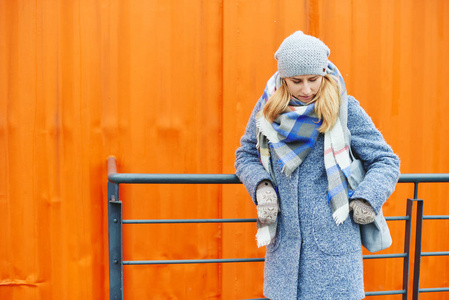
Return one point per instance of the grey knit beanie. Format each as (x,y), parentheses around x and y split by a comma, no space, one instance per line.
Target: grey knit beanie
(302,54)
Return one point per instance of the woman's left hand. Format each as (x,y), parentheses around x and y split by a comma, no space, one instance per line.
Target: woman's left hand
(363,213)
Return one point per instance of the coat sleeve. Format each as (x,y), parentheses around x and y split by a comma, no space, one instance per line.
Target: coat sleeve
(380,162)
(249,169)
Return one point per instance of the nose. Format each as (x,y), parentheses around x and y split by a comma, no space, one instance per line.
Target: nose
(306,90)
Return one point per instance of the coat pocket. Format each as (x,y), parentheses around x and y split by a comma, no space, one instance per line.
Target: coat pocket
(337,240)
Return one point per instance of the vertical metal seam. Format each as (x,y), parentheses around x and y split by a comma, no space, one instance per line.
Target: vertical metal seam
(220,189)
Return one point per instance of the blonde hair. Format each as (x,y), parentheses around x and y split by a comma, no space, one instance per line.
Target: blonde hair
(327,102)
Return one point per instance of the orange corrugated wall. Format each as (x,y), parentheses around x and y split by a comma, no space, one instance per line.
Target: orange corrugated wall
(167,87)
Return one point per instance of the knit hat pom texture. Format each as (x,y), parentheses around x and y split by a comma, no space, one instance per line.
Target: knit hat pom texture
(302,54)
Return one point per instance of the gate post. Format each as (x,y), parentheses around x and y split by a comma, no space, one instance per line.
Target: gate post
(115,243)
(418,244)
(407,240)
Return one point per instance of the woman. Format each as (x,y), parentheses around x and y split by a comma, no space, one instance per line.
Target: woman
(294,160)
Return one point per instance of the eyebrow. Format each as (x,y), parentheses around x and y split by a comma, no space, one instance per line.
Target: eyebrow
(313,77)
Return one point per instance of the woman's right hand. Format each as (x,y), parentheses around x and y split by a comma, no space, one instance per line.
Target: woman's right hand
(267,202)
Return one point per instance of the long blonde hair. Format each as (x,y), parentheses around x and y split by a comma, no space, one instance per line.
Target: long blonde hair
(327,102)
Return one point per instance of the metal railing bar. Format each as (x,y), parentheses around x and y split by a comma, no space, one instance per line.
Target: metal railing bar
(423,177)
(378,256)
(418,245)
(191,261)
(415,190)
(112,165)
(436,217)
(232,178)
(433,290)
(402,218)
(115,177)
(174,178)
(379,293)
(233,260)
(115,244)
(440,253)
(186,221)
(376,293)
(407,244)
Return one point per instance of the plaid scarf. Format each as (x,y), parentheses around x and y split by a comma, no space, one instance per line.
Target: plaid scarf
(293,135)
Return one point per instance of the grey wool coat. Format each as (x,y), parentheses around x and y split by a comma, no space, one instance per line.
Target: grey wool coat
(312,257)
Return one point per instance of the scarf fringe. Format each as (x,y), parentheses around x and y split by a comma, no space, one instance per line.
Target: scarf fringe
(263,237)
(341,214)
(266,234)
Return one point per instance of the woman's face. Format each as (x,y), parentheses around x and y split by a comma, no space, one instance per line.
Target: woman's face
(304,87)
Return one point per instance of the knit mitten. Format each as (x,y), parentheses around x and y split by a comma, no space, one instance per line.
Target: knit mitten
(267,203)
(363,213)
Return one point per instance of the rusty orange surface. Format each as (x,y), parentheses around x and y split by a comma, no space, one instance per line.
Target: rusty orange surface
(167,87)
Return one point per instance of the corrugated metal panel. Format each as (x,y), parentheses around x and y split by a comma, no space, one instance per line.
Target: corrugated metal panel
(167,86)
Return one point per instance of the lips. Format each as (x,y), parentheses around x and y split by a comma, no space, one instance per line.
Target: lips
(305,98)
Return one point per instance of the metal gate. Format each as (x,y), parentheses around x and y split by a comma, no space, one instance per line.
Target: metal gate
(116,222)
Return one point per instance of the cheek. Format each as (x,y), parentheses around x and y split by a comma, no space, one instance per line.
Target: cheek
(294,89)
(316,85)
